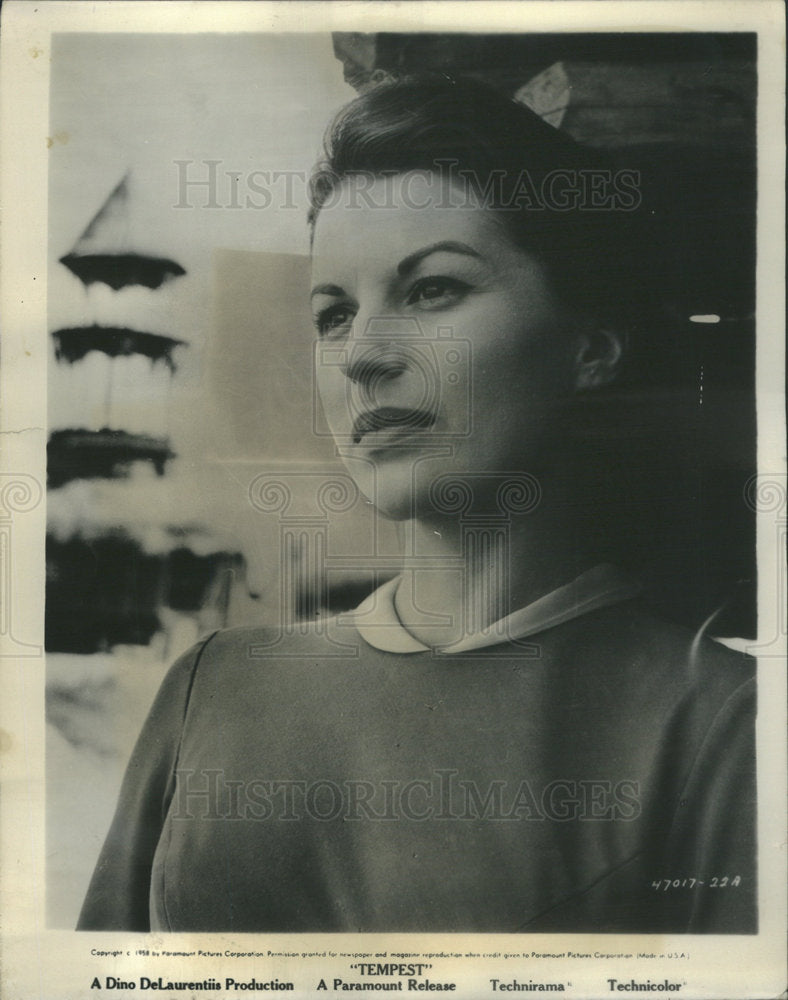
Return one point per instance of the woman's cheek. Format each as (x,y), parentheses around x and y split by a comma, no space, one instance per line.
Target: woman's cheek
(332,398)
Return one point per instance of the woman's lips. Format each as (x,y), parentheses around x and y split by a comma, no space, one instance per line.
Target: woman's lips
(391,423)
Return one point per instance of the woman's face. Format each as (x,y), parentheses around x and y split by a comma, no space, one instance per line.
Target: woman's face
(441,348)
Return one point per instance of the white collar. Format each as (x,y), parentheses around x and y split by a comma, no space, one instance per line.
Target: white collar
(378,623)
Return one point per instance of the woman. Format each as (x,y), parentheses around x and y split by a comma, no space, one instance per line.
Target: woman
(499,739)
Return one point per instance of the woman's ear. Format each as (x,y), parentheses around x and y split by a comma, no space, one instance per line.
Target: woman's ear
(598,356)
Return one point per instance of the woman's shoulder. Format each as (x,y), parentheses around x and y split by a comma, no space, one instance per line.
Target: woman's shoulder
(236,646)
(253,651)
(632,646)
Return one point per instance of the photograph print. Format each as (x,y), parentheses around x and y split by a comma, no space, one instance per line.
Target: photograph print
(401,569)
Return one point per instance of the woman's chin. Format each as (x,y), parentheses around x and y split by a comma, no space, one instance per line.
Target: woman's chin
(393,505)
(390,485)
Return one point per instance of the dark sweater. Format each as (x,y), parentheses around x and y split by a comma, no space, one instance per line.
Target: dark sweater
(557,788)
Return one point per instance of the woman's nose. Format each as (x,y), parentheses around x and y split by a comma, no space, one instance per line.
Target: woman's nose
(382,350)
(371,364)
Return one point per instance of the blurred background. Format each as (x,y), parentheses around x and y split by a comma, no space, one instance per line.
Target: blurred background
(180,382)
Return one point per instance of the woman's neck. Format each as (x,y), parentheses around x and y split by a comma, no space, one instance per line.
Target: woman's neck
(459,577)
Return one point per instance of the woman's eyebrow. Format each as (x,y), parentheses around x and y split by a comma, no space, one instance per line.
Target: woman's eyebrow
(407,264)
(327,290)
(452,246)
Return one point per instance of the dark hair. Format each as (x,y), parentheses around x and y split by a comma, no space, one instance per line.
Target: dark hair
(508,159)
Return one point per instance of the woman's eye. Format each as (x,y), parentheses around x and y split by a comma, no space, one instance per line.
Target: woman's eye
(435,293)
(333,321)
